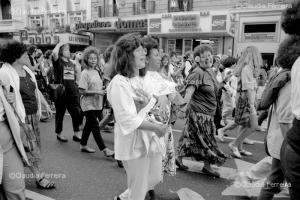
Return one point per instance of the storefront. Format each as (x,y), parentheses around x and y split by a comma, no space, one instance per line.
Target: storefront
(259,25)
(182,32)
(107,30)
(47,41)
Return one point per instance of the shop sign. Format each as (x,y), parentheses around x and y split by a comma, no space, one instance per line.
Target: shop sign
(74,39)
(128,25)
(262,4)
(219,23)
(93,25)
(255,37)
(40,39)
(155,25)
(185,21)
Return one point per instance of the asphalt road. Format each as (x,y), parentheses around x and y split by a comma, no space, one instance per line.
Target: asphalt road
(81,176)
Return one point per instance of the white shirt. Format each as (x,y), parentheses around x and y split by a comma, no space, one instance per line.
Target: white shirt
(295,76)
(281,113)
(188,67)
(128,143)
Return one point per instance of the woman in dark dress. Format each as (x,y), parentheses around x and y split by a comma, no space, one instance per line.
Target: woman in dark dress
(198,139)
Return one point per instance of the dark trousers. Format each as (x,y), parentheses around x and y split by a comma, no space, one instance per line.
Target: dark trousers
(263,115)
(273,182)
(92,125)
(73,107)
(290,162)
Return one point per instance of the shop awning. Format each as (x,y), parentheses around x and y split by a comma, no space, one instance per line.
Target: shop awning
(194,35)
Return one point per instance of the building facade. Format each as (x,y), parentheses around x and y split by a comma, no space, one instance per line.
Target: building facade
(12,15)
(229,25)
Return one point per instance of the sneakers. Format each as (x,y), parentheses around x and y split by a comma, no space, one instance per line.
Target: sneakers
(234,150)
(108,153)
(248,141)
(61,138)
(245,153)
(87,149)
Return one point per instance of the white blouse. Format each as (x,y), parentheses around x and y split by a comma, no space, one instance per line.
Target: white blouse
(128,143)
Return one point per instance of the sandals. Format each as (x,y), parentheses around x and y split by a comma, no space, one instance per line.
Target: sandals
(44,183)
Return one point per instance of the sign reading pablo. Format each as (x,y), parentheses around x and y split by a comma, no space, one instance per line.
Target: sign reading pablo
(93,25)
(155,25)
(185,23)
(140,24)
(218,23)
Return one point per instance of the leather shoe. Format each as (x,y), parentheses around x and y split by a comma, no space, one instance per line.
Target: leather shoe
(180,165)
(76,139)
(61,138)
(211,172)
(120,164)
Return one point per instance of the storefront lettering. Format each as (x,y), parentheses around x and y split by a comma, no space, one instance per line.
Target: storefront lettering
(93,25)
(185,21)
(132,24)
(261,6)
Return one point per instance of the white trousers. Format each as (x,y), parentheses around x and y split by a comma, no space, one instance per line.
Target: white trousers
(143,174)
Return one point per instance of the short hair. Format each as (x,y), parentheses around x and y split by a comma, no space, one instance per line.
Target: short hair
(31,49)
(200,49)
(12,51)
(48,54)
(107,53)
(290,21)
(122,55)
(187,55)
(288,52)
(229,61)
(86,54)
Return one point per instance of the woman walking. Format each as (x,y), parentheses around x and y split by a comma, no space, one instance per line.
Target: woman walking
(201,97)
(131,144)
(245,112)
(32,104)
(91,89)
(12,149)
(65,74)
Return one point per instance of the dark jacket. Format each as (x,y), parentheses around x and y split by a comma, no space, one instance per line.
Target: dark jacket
(272,89)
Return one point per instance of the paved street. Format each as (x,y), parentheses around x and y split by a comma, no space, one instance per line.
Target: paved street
(81,176)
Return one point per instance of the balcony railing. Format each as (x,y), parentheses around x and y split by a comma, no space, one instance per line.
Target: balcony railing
(143,7)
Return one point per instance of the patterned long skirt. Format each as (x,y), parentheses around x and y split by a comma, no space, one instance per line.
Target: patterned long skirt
(198,139)
(169,166)
(34,154)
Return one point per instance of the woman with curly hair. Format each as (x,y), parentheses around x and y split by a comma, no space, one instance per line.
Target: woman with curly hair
(91,101)
(130,108)
(201,99)
(290,150)
(31,98)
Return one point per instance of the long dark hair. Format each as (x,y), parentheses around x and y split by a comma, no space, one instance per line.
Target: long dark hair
(122,54)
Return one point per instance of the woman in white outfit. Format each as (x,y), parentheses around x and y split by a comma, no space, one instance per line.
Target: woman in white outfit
(131,144)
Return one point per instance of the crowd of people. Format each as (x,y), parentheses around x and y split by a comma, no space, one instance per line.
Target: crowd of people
(143,91)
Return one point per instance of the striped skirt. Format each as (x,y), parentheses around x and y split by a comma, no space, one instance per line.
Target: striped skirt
(198,139)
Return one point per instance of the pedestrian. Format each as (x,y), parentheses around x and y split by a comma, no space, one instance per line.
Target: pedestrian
(32,103)
(128,56)
(188,63)
(91,89)
(290,150)
(164,66)
(245,111)
(201,97)
(11,110)
(278,94)
(64,73)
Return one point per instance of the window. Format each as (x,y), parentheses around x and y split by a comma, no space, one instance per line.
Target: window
(188,45)
(56,20)
(180,5)
(76,17)
(36,21)
(171,45)
(260,28)
(260,32)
